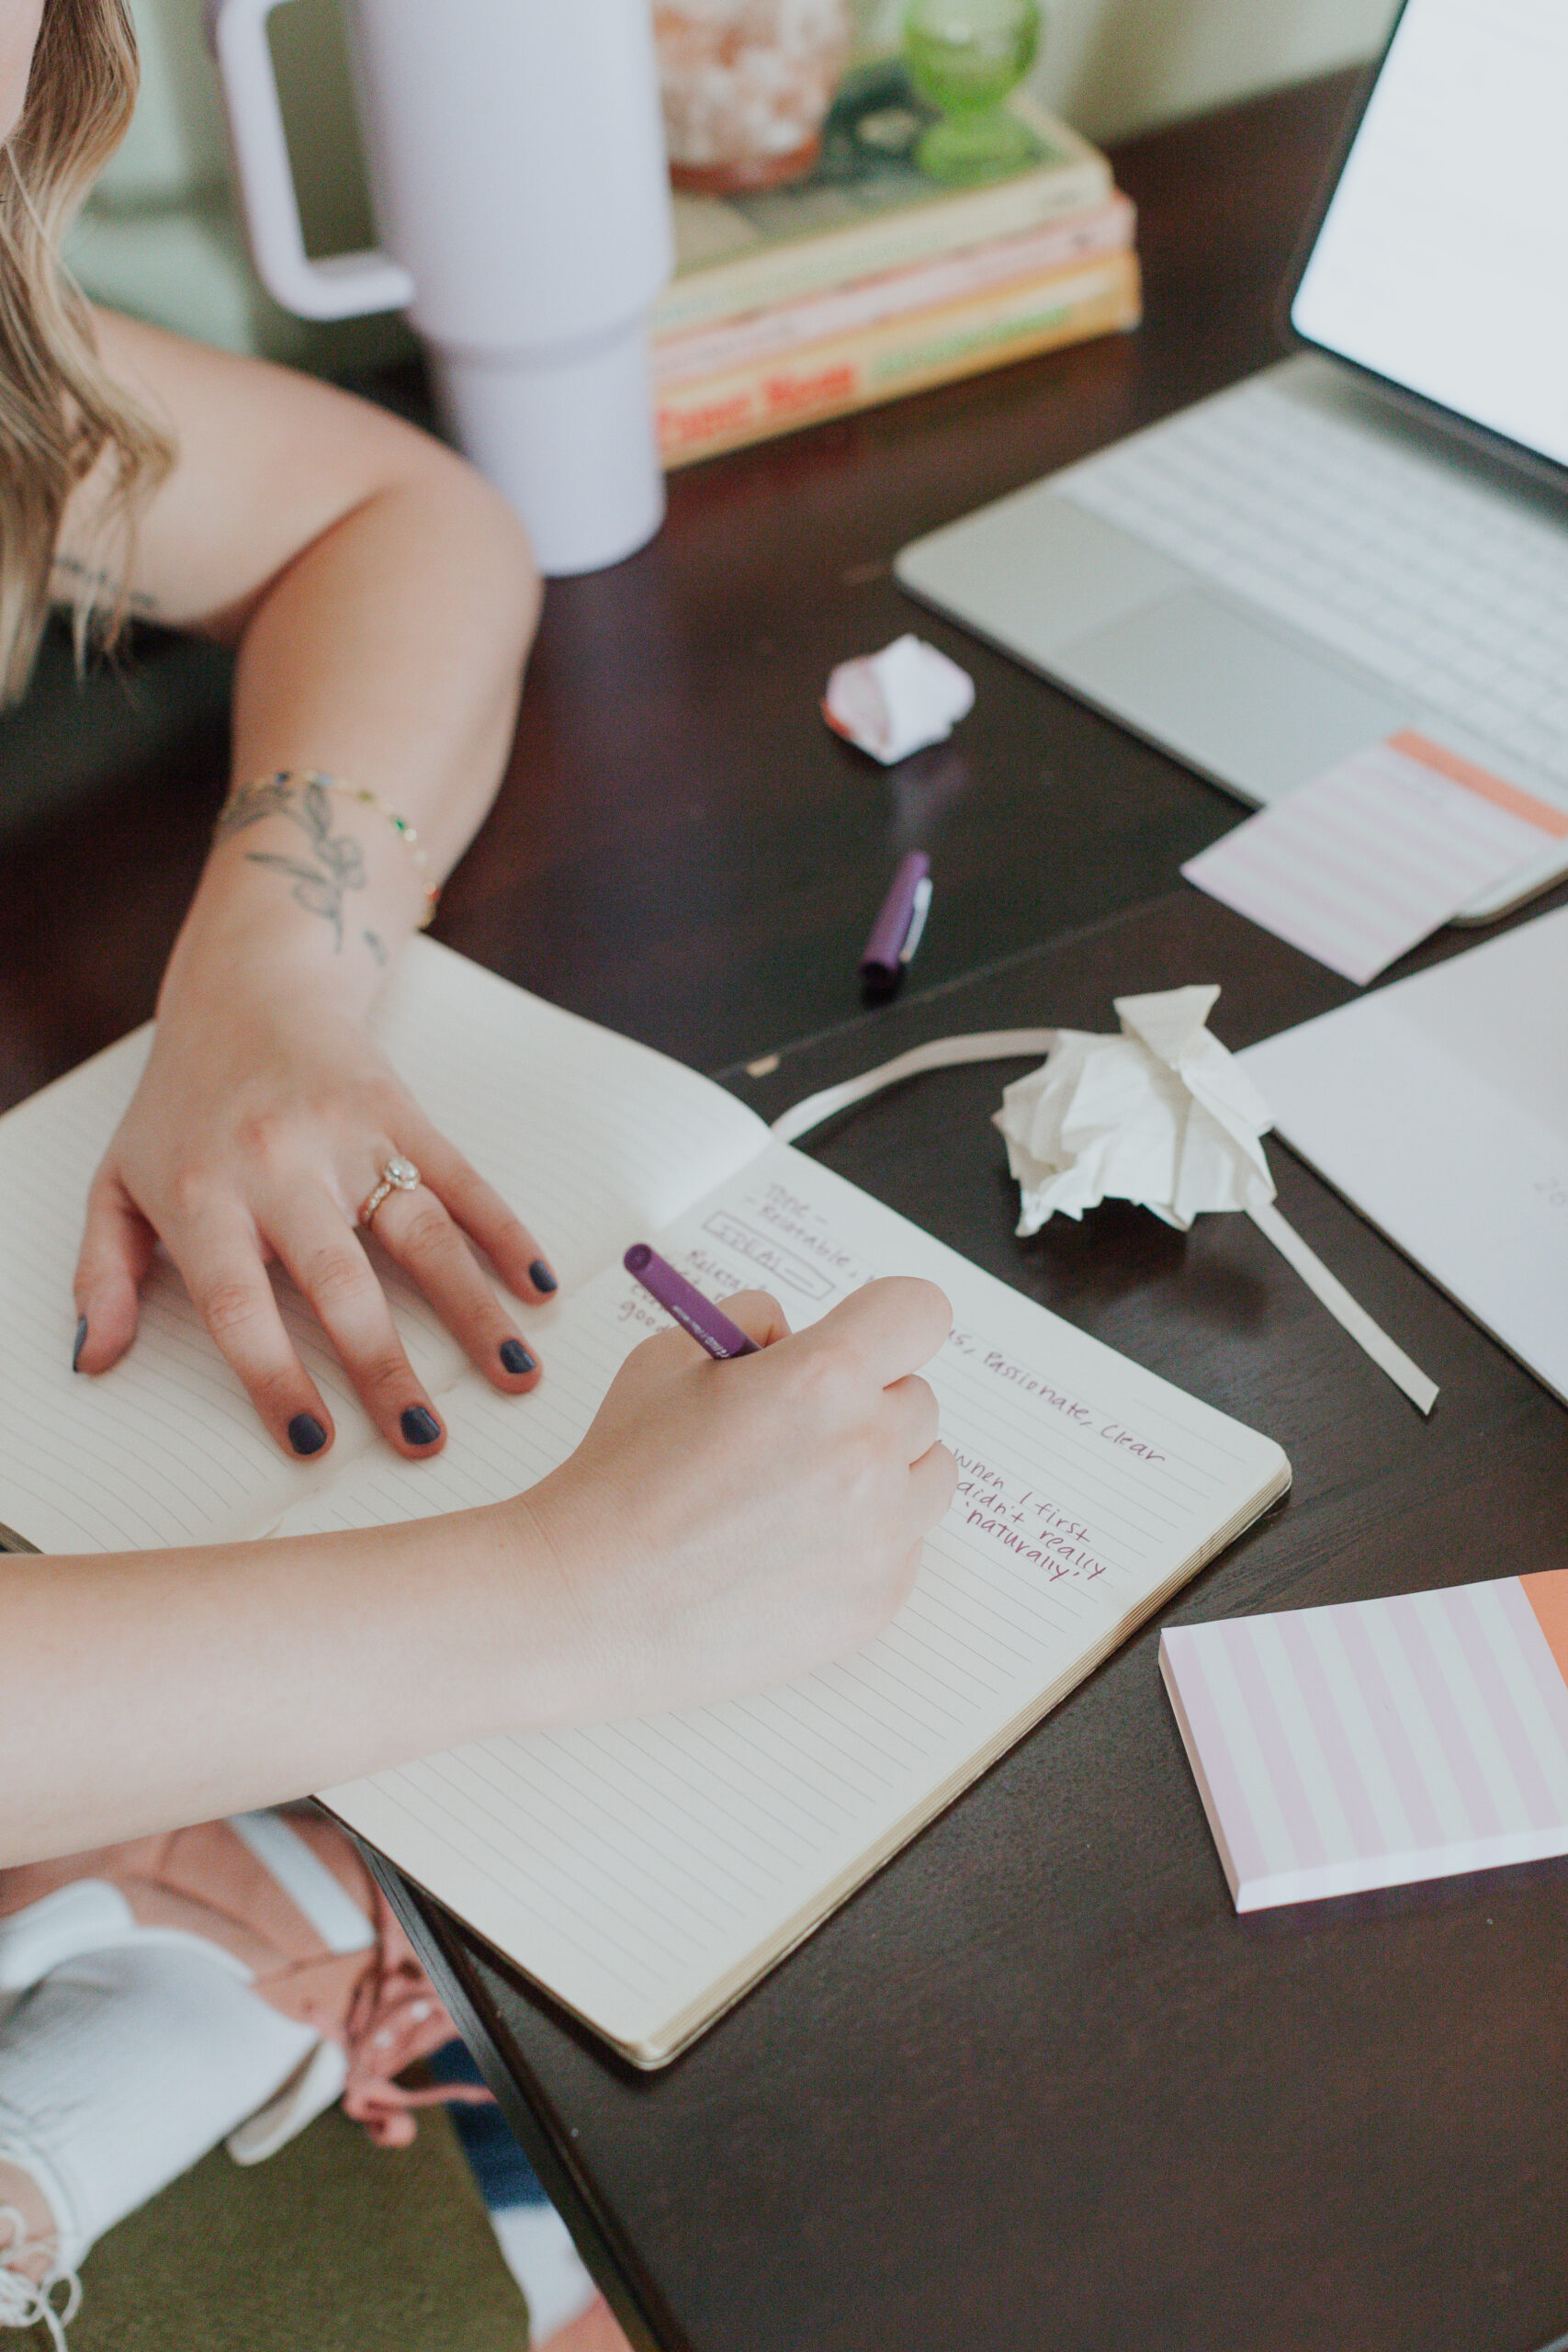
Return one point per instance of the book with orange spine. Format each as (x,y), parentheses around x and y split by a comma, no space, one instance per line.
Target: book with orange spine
(904,355)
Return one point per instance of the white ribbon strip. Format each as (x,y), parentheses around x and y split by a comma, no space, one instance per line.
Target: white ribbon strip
(1006,1045)
(310,1886)
(1332,1292)
(942,1053)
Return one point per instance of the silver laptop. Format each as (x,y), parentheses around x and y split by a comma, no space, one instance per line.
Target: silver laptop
(1374,533)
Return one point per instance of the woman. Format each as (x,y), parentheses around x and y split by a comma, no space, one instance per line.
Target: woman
(721,1527)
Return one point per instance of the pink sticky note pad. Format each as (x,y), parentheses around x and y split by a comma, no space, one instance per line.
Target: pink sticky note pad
(1381,849)
(1380,1741)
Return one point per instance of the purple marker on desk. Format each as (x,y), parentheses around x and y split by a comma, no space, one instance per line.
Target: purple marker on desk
(896,933)
(709,1326)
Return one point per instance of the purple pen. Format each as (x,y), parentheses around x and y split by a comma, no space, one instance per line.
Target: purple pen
(896,933)
(711,1329)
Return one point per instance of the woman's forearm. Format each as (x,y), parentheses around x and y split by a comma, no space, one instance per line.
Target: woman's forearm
(381,598)
(391,650)
(387,656)
(720,1527)
(163,1686)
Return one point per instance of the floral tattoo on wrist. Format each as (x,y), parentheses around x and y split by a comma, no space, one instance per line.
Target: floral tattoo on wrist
(331,864)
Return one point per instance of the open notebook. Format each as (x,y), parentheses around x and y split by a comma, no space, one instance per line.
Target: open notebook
(645,1873)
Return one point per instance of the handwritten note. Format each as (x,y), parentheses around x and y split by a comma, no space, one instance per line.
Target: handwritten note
(645,1871)
(1032,1526)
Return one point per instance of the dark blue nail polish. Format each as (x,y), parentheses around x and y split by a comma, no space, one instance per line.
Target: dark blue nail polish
(516,1357)
(305,1434)
(420,1426)
(81,1343)
(541,1277)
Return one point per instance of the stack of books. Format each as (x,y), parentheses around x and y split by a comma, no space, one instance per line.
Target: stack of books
(868,280)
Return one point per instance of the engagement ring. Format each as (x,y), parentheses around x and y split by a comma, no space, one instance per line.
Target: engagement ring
(397,1176)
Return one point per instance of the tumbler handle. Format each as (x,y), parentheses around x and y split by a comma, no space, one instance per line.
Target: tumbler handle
(343,286)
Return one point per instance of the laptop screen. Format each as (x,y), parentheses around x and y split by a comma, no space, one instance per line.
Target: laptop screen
(1442,261)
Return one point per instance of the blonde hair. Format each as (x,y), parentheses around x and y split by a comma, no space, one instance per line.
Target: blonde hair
(60,412)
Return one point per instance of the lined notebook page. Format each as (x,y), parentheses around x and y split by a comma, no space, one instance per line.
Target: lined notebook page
(165,1449)
(593,1138)
(645,1872)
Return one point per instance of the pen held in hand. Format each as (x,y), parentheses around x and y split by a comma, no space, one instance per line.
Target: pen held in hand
(706,1324)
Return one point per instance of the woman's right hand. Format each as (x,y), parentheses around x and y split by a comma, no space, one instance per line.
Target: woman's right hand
(725,1526)
(721,1527)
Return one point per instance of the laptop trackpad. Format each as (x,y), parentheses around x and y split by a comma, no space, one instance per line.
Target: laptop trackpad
(1258,709)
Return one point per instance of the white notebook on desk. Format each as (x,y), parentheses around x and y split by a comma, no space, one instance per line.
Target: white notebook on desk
(645,1873)
(1439,1106)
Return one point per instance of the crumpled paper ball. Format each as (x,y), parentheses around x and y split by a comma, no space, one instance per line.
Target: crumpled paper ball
(897,701)
(1160,1114)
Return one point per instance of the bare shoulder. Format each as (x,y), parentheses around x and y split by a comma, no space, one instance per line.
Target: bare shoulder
(199,392)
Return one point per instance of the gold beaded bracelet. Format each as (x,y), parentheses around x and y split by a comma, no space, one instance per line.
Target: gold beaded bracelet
(249,802)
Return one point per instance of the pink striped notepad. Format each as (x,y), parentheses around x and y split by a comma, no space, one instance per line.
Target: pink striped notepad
(1370,857)
(1380,1741)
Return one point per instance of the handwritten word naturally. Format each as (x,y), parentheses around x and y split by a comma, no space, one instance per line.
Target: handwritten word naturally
(1030,1525)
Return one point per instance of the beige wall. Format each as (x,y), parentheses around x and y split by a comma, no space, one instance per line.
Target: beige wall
(160,237)
(1117,66)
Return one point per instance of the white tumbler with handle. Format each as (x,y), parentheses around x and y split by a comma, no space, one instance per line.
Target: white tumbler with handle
(519,189)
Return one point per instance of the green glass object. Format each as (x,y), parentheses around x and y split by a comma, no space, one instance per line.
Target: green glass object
(964,56)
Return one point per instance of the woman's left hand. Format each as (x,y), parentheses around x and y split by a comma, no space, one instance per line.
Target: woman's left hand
(255,1136)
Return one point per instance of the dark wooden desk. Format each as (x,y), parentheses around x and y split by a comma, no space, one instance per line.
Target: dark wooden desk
(1036,2089)
(681,849)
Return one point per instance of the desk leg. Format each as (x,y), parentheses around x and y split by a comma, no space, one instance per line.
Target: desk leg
(611,2264)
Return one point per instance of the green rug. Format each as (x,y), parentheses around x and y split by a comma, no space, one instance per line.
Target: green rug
(332,2246)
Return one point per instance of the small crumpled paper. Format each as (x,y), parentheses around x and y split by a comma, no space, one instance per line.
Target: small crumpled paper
(1160,1114)
(897,701)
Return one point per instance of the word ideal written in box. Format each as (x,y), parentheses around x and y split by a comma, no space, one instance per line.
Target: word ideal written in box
(781,1265)
(767,1245)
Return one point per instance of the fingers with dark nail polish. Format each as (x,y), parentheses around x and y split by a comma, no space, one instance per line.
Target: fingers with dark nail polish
(81,1342)
(420,1426)
(516,1357)
(305,1434)
(541,1277)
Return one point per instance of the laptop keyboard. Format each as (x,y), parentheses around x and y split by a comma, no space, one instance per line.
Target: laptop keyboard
(1448,588)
